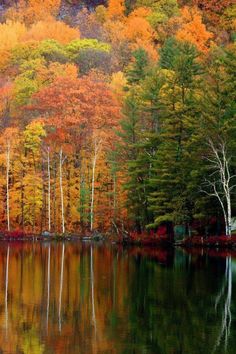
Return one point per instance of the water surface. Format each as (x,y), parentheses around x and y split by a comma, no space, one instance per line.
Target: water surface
(83,298)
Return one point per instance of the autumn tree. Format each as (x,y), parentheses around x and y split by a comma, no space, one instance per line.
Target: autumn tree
(116,9)
(75,114)
(51,29)
(9,141)
(214,9)
(194,31)
(33,10)
(33,135)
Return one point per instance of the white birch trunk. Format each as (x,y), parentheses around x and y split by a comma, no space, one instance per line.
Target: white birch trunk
(7,182)
(222,186)
(61,192)
(229,216)
(96,150)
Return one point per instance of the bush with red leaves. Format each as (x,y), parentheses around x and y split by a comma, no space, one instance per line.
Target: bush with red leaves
(14,234)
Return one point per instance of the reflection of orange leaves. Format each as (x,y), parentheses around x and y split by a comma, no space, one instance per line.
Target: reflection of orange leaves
(193,30)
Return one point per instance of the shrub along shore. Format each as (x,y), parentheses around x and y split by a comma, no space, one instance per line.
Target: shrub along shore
(144,239)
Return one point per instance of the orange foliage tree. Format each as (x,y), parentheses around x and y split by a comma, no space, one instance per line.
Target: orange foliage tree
(193,30)
(52,29)
(116,9)
(30,11)
(85,113)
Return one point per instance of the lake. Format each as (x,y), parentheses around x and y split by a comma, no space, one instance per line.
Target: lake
(89,298)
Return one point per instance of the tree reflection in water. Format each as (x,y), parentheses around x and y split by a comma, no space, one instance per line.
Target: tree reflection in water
(79,298)
(6,289)
(61,284)
(226,293)
(48,285)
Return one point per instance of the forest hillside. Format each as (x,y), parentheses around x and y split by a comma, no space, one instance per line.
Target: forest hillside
(117,115)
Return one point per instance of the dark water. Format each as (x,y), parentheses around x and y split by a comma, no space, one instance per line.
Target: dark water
(81,298)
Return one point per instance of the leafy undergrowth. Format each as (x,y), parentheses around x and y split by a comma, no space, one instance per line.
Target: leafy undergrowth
(15,234)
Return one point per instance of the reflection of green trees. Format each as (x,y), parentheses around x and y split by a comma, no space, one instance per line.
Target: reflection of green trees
(172,310)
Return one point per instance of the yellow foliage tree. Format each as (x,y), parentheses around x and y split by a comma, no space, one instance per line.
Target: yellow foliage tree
(118,82)
(11,32)
(52,29)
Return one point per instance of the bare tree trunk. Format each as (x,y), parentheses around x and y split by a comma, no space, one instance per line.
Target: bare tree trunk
(7,180)
(49,191)
(61,192)
(43,207)
(96,151)
(23,193)
(221,185)
(229,212)
(68,192)
(54,198)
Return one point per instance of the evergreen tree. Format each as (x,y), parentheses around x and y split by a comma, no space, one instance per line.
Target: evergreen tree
(137,71)
(170,199)
(216,123)
(128,154)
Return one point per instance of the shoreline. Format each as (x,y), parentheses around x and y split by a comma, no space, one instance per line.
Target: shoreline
(212,242)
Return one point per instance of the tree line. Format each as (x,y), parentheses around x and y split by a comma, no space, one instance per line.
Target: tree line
(117,117)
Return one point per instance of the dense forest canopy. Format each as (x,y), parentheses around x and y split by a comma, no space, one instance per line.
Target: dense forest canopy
(117,115)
